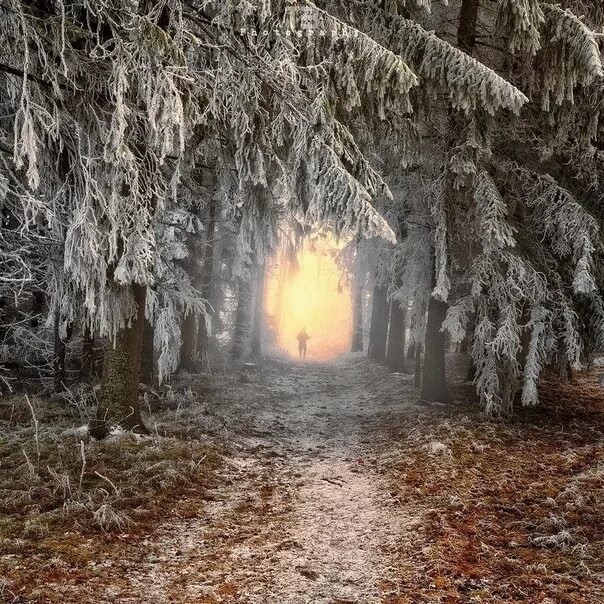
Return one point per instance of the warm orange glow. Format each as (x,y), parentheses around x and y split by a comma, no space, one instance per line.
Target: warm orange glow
(311,295)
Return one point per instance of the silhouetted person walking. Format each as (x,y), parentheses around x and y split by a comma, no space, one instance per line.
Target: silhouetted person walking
(302,337)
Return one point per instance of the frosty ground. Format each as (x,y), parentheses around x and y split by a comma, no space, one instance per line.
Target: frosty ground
(330,483)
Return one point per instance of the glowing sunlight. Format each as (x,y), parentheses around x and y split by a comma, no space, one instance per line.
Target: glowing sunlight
(310,292)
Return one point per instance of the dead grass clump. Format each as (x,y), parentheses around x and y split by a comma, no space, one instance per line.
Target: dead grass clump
(67,500)
(55,478)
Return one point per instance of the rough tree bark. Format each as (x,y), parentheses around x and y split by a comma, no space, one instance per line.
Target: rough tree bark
(258,311)
(147,371)
(378,329)
(188,342)
(119,385)
(88,361)
(395,353)
(60,351)
(242,315)
(417,352)
(122,363)
(466,32)
(434,381)
(357,317)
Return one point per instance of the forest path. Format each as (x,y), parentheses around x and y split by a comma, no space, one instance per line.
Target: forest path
(304,516)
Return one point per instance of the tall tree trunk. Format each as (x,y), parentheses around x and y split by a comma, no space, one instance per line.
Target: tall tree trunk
(119,387)
(434,381)
(188,342)
(207,289)
(241,328)
(395,354)
(88,360)
(357,317)
(258,311)
(466,40)
(417,355)
(60,351)
(147,371)
(466,32)
(378,330)
(122,362)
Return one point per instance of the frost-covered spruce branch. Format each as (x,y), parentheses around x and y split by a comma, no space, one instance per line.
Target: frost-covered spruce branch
(469,83)
(533,280)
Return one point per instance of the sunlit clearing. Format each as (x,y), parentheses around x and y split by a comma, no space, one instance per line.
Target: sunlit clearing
(310,292)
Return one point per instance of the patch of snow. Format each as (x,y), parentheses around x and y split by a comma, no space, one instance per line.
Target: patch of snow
(79,432)
(437,448)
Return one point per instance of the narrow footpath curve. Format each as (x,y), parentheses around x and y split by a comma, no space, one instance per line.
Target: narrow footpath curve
(304,517)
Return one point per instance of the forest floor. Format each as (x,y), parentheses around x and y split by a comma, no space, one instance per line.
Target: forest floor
(329,483)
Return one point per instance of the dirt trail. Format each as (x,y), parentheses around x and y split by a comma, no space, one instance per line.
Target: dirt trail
(331,486)
(305,517)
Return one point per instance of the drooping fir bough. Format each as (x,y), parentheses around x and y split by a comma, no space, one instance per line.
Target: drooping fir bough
(525,299)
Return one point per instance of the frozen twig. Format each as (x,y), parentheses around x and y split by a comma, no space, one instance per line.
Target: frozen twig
(36,434)
(116,490)
(83,455)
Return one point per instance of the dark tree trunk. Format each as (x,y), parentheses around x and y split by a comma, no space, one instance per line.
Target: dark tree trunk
(122,361)
(466,40)
(119,388)
(465,348)
(88,369)
(471,373)
(242,316)
(258,311)
(357,318)
(147,372)
(378,330)
(417,352)
(60,351)
(466,32)
(207,289)
(395,354)
(188,342)
(38,302)
(434,382)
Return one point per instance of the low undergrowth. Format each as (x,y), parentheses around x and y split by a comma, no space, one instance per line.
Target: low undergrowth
(56,478)
(58,486)
(509,510)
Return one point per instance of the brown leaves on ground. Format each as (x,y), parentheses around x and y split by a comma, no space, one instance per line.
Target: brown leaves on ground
(68,501)
(512,510)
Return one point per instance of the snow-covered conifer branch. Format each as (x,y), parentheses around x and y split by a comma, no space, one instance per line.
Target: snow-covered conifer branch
(571,231)
(570,56)
(520,22)
(360,63)
(469,84)
(339,200)
(492,211)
